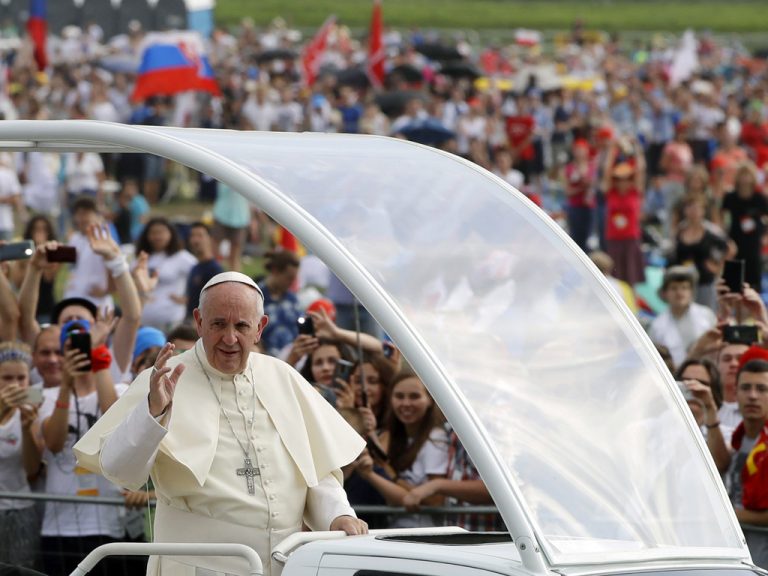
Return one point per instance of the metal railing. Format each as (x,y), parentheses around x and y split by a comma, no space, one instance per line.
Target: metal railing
(360,509)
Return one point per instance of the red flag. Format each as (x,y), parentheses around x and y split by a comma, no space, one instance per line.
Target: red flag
(376,53)
(313,52)
(37,28)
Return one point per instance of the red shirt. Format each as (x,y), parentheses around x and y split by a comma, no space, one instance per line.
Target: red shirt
(622,214)
(580,183)
(520,128)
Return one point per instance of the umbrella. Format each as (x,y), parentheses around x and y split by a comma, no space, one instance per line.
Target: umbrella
(437,51)
(355,77)
(277,54)
(461,69)
(429,131)
(407,72)
(393,103)
(119,63)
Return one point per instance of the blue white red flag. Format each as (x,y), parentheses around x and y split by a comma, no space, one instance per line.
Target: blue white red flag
(171,63)
(37,28)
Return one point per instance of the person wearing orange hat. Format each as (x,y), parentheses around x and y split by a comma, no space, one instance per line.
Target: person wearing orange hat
(624,184)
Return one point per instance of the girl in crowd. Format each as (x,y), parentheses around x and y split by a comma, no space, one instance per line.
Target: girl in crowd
(696,185)
(704,372)
(416,444)
(320,366)
(365,406)
(20,457)
(579,177)
(744,213)
(40,230)
(701,242)
(86,392)
(165,305)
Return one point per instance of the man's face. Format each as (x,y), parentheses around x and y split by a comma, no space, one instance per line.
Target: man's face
(199,240)
(728,365)
(679,295)
(230,323)
(752,396)
(82,219)
(284,279)
(75,312)
(46,357)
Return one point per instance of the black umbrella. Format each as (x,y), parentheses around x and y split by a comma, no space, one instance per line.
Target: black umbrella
(407,72)
(429,131)
(461,69)
(277,54)
(354,77)
(393,103)
(437,51)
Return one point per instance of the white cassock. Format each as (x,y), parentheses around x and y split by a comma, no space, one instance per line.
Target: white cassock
(297,441)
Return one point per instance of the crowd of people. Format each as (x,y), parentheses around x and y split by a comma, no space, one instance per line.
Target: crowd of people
(633,160)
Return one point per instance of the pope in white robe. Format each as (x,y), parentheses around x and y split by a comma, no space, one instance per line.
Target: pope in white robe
(239,446)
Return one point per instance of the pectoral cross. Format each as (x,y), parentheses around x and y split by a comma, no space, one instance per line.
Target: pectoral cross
(249,472)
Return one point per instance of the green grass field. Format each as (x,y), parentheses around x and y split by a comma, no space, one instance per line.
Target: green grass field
(639,15)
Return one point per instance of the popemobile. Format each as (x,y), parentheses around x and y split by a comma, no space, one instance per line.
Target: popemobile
(583,439)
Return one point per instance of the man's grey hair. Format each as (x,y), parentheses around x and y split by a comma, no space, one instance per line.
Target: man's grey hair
(256,293)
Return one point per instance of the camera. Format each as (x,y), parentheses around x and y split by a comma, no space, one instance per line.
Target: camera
(740,334)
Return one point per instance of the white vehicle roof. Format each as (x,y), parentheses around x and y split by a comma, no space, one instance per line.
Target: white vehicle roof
(567,411)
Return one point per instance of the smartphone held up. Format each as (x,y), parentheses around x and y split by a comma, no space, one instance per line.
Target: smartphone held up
(62,254)
(17,250)
(733,275)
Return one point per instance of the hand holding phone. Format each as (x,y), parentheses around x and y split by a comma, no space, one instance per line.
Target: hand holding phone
(61,254)
(34,396)
(306,325)
(740,334)
(81,341)
(733,275)
(17,250)
(343,370)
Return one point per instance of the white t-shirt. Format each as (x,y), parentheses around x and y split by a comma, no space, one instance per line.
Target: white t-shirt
(87,273)
(432,459)
(730,418)
(9,187)
(41,188)
(64,477)
(82,172)
(13,477)
(160,310)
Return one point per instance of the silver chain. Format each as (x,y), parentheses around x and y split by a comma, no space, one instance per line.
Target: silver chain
(247,448)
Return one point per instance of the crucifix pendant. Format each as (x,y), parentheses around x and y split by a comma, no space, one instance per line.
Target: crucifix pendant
(249,472)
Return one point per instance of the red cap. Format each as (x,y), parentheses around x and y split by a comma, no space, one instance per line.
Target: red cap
(605,132)
(753,353)
(580,143)
(326,305)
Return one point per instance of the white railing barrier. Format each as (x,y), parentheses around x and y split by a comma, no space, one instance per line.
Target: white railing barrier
(169,549)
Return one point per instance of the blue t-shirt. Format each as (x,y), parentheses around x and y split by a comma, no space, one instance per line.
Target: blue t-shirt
(282,329)
(138,207)
(198,277)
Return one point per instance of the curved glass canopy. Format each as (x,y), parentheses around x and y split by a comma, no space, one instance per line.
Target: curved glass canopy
(550,382)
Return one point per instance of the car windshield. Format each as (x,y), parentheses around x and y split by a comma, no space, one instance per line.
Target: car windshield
(555,375)
(567,389)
